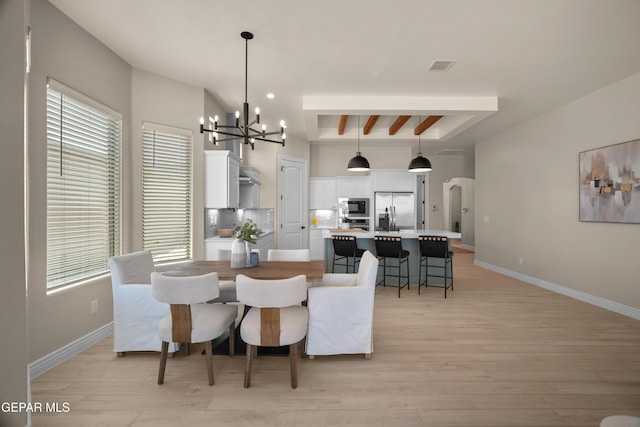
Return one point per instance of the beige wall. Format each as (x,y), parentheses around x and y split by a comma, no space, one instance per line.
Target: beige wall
(167,102)
(64,51)
(13,302)
(527,186)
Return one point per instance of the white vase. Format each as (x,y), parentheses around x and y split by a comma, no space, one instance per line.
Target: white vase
(238,254)
(247,252)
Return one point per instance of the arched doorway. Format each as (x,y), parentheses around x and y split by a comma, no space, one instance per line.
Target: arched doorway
(455,208)
(459,208)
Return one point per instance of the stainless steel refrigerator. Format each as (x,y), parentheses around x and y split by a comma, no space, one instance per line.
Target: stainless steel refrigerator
(395,211)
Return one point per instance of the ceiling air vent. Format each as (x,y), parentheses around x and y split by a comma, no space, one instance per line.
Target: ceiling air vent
(441,65)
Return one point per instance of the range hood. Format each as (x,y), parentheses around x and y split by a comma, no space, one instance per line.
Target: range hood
(249,176)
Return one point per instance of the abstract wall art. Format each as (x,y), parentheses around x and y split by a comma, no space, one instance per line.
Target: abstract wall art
(610,183)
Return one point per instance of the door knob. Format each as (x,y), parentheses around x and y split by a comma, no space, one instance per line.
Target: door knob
(303,227)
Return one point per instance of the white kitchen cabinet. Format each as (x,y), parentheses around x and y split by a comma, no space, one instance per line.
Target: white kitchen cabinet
(322,193)
(393,180)
(212,245)
(316,245)
(353,186)
(222,179)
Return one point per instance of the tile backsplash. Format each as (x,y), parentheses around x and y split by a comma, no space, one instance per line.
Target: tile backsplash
(325,218)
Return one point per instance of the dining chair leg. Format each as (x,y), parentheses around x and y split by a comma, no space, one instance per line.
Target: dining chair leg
(232,338)
(163,362)
(293,359)
(247,367)
(208,351)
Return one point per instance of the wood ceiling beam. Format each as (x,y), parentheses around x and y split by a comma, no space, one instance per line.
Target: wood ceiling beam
(342,124)
(370,124)
(426,124)
(400,121)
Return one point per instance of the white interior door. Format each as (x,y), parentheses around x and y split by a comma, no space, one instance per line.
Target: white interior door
(292,206)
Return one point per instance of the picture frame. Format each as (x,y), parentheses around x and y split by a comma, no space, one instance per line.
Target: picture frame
(610,183)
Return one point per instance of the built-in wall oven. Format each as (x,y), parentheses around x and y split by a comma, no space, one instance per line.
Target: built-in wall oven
(356,209)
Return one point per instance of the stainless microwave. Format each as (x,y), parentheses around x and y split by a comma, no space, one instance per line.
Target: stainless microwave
(354,207)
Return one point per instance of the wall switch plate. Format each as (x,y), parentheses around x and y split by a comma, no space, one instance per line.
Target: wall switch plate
(94,306)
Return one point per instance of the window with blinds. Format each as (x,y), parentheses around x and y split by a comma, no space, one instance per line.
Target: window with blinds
(83,186)
(166,192)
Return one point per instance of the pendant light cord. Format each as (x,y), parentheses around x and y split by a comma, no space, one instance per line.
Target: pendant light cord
(358,133)
(419,135)
(246,68)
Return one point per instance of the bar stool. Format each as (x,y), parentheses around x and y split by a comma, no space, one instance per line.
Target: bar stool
(391,247)
(345,247)
(435,247)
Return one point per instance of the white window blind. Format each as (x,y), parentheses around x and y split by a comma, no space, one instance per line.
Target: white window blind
(83,185)
(166,192)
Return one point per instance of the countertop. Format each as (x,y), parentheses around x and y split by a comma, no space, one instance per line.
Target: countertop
(407,234)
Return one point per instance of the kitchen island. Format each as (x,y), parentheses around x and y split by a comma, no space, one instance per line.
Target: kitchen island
(365,241)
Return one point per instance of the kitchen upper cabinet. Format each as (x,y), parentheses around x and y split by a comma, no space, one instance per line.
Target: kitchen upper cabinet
(222,179)
(322,193)
(392,180)
(354,186)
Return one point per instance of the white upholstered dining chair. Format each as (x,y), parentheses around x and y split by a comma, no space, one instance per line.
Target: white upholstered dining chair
(298,255)
(275,319)
(341,312)
(135,312)
(192,320)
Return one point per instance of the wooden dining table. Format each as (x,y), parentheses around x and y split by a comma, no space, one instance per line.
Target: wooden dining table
(266,270)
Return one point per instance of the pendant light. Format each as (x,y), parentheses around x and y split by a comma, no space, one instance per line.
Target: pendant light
(358,163)
(419,163)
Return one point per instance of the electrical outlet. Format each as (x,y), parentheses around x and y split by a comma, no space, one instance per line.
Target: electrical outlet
(521,261)
(485,218)
(94,306)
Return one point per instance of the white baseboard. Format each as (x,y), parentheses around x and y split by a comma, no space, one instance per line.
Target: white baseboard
(468,247)
(53,359)
(582,296)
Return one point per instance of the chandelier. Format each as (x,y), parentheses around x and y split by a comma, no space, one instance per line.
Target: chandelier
(244,130)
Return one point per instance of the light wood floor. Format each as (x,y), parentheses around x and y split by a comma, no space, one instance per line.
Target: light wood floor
(496,352)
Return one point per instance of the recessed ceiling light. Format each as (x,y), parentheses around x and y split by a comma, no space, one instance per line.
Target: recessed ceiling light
(441,65)
(270,96)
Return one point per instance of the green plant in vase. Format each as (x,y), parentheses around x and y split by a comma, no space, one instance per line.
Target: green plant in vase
(246,234)
(247,231)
